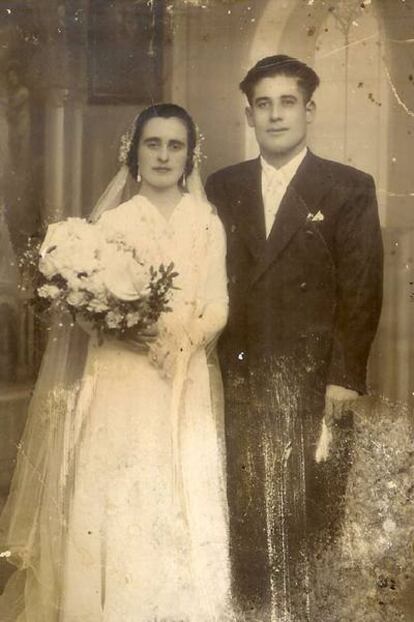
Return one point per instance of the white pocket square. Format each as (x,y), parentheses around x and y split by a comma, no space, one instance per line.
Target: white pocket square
(318,217)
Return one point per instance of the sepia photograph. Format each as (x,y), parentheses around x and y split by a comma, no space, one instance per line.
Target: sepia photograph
(206,310)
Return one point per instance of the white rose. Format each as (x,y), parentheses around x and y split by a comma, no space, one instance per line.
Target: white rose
(78,228)
(85,260)
(94,284)
(73,280)
(97,305)
(113,319)
(47,266)
(124,277)
(59,234)
(76,298)
(49,291)
(133,318)
(76,258)
(50,238)
(117,238)
(75,244)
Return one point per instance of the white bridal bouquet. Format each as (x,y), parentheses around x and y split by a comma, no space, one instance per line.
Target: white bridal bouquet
(98,278)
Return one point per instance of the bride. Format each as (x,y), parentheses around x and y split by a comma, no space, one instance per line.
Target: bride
(118,508)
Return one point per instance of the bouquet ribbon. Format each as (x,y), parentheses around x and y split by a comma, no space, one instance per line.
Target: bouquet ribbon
(178,387)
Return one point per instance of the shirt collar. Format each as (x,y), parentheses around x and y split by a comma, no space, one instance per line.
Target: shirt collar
(286,172)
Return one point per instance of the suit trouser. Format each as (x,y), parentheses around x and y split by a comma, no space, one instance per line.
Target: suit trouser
(283,506)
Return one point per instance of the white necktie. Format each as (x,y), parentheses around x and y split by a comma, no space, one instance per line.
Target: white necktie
(273,193)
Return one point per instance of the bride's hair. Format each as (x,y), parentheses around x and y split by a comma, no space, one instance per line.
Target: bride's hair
(165,111)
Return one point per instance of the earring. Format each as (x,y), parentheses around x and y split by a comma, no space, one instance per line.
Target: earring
(139,178)
(184,181)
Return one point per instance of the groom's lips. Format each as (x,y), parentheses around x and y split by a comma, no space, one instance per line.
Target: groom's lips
(277,130)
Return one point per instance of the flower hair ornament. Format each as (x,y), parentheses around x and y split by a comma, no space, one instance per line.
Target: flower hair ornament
(125,145)
(194,184)
(199,156)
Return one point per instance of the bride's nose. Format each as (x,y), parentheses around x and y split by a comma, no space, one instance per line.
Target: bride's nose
(163,154)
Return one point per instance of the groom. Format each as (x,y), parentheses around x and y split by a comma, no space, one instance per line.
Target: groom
(304,265)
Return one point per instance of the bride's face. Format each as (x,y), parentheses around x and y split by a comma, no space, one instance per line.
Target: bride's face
(162,152)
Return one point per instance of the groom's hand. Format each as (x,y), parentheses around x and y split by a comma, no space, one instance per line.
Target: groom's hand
(338,401)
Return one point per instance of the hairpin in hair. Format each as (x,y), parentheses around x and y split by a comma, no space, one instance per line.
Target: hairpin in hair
(198,156)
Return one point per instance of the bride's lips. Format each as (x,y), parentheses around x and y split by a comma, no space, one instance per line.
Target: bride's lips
(161,169)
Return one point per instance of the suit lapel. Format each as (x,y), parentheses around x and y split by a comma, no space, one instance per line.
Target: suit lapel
(248,211)
(303,195)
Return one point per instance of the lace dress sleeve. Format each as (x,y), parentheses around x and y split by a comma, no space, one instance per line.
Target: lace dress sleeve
(212,315)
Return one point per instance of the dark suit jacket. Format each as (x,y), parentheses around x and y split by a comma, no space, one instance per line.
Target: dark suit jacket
(313,290)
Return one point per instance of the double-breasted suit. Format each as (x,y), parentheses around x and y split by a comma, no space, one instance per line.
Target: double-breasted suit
(304,308)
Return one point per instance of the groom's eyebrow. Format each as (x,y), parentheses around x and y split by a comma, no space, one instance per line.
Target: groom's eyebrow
(258,100)
(284,97)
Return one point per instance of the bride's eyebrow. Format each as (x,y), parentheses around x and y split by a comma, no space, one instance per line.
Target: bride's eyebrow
(156,139)
(177,143)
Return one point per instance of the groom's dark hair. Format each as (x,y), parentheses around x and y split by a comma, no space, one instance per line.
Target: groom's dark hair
(281,65)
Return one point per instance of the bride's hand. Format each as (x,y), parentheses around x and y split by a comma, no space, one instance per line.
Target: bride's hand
(140,340)
(165,351)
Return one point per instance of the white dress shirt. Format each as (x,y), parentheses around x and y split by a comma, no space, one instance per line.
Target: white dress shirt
(274,185)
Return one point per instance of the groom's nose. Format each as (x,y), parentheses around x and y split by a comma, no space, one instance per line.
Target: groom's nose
(275,112)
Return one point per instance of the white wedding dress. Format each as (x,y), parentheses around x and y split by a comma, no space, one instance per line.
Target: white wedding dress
(146,533)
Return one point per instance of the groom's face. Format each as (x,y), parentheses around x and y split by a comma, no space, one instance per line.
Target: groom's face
(280,117)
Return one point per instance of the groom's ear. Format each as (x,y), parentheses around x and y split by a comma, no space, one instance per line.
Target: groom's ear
(249,116)
(310,111)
